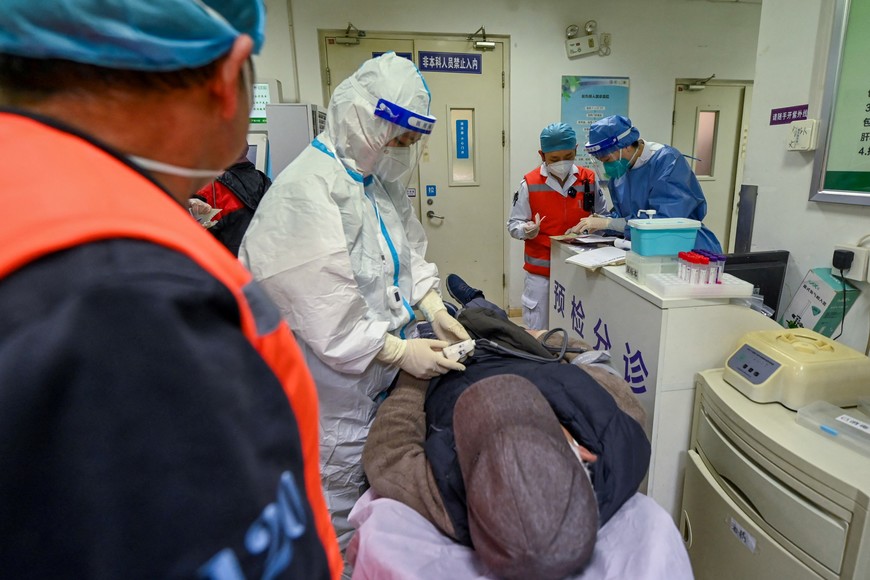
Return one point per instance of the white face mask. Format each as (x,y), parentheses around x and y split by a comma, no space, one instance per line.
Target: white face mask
(169,169)
(560,169)
(395,162)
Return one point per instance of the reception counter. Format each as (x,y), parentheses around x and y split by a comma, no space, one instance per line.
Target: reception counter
(656,343)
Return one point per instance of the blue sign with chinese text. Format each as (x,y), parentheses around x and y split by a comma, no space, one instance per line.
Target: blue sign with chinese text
(462,138)
(451,62)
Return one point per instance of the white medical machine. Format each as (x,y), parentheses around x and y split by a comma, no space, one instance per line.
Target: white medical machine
(764,495)
(291,127)
(796,367)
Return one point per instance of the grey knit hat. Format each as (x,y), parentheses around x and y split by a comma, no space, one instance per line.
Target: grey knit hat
(532,512)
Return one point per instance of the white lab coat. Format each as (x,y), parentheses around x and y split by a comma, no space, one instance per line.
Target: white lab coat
(317,246)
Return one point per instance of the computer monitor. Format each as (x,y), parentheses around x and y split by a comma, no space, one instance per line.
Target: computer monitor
(258,151)
(764,270)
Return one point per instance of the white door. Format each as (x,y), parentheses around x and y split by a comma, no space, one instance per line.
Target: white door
(707,126)
(459,191)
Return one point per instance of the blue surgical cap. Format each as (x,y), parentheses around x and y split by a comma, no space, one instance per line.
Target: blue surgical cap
(558,137)
(611,133)
(144,35)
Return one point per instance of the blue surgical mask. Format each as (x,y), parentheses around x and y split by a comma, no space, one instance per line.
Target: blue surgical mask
(618,168)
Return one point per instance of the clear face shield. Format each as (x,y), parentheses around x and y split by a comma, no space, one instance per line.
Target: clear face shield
(407,139)
(603,162)
(609,160)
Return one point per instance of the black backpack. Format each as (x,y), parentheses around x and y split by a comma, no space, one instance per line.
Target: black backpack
(249,185)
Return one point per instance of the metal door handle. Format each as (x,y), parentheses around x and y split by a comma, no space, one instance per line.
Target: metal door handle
(431,214)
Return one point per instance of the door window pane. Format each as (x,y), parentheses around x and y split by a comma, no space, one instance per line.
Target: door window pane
(705,143)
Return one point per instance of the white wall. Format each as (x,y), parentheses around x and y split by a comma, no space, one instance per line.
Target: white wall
(276,60)
(654,43)
(790,68)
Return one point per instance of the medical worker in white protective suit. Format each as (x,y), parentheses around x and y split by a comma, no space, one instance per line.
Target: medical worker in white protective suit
(337,246)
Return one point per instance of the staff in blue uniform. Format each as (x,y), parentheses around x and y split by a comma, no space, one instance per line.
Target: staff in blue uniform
(644,175)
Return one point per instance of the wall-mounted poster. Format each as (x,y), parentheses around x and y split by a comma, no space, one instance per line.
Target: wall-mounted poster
(588,99)
(841,172)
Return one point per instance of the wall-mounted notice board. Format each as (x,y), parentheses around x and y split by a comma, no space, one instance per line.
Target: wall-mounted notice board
(841,172)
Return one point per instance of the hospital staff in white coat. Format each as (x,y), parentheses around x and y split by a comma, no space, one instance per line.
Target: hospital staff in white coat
(337,246)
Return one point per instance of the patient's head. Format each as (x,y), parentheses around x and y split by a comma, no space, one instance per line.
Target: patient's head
(532,512)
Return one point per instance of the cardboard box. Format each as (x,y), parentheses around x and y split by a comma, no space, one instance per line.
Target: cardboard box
(818,303)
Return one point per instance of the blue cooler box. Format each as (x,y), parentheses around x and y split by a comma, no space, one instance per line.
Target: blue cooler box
(663,236)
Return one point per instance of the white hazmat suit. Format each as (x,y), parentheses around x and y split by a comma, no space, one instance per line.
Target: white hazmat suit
(340,251)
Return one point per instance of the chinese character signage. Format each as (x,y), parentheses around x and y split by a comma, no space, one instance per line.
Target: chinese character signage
(462,138)
(451,62)
(570,307)
(588,99)
(261,99)
(786,115)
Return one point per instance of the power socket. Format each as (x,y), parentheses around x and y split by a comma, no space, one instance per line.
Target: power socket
(858,270)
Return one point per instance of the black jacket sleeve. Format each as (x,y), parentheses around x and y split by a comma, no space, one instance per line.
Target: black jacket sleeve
(141,435)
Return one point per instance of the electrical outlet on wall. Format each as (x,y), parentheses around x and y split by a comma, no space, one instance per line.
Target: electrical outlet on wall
(858,269)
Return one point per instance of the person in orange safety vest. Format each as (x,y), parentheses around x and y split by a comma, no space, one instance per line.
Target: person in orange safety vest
(157,417)
(551,200)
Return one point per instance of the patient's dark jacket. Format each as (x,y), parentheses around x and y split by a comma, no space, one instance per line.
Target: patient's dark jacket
(582,405)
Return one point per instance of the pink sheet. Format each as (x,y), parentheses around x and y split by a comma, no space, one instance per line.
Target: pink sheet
(394,542)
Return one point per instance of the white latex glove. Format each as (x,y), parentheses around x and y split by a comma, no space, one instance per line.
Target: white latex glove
(420,357)
(533,228)
(445,326)
(201,211)
(590,224)
(448,328)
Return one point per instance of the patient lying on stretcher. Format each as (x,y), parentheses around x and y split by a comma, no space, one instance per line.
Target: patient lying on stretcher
(521,459)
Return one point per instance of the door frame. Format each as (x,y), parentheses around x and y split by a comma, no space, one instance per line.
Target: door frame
(507,193)
(742,139)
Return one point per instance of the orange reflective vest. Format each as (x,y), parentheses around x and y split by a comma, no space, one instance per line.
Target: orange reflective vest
(102,198)
(562,213)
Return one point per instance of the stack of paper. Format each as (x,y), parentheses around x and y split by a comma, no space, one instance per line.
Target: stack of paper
(598,257)
(593,239)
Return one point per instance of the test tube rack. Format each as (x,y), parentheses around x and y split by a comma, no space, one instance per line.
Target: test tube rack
(671,286)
